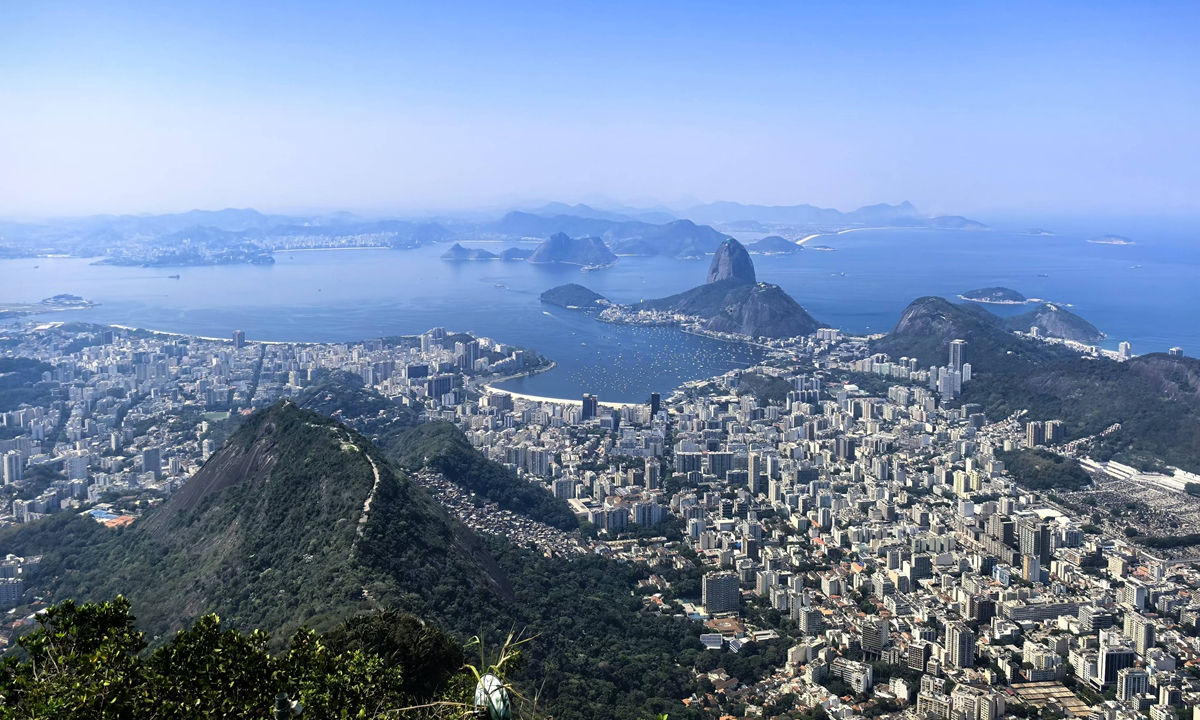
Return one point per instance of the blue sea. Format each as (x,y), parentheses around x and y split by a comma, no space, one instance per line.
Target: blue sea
(1146,294)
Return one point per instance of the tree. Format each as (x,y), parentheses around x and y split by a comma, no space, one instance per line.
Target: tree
(84,662)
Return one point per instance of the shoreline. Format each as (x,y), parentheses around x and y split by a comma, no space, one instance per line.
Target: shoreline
(491,389)
(321,249)
(203,337)
(984,301)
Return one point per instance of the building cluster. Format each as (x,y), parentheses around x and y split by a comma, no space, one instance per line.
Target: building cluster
(885,531)
(878,534)
(126,417)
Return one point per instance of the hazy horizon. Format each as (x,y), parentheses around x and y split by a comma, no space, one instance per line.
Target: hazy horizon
(406,110)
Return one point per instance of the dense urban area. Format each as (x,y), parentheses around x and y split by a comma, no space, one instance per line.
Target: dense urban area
(851,538)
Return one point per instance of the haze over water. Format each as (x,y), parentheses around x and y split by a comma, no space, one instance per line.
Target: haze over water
(342,296)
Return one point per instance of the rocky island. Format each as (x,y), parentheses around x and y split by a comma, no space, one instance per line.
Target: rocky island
(995,296)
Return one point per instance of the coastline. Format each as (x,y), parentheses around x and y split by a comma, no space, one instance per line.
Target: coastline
(985,301)
(491,389)
(202,337)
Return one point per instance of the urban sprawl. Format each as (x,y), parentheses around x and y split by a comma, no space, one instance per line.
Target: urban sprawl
(844,504)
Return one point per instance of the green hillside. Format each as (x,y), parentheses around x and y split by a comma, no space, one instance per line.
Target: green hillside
(1155,397)
(267,535)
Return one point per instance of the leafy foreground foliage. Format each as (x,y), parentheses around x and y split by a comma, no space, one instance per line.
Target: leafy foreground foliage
(86,661)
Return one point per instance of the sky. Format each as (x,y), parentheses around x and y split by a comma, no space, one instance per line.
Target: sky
(426,107)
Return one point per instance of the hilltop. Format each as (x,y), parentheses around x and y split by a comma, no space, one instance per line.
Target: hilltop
(298,520)
(1056,321)
(458,252)
(561,248)
(1154,396)
(928,324)
(731,261)
(295,505)
(774,245)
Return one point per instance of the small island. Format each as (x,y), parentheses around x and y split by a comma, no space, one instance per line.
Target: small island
(995,296)
(575,297)
(458,252)
(516,254)
(774,245)
(1111,240)
(57,303)
(1036,231)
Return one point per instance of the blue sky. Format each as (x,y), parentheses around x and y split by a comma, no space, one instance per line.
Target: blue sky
(389,107)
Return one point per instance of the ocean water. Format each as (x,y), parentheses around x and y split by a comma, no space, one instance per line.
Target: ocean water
(861,286)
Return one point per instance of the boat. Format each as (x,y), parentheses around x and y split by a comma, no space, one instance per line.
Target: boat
(1134,267)
(1043,275)
(172,277)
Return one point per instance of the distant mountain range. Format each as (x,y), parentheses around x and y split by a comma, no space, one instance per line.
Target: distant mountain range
(240,235)
(882,215)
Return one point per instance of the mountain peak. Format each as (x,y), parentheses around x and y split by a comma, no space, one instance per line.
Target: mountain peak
(731,261)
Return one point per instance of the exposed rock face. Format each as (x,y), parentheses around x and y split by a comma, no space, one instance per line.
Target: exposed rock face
(731,261)
(762,310)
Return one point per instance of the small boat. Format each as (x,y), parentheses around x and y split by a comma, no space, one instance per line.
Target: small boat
(1043,275)
(1134,267)
(172,277)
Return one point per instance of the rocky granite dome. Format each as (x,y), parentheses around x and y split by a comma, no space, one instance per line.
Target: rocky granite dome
(733,302)
(731,261)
